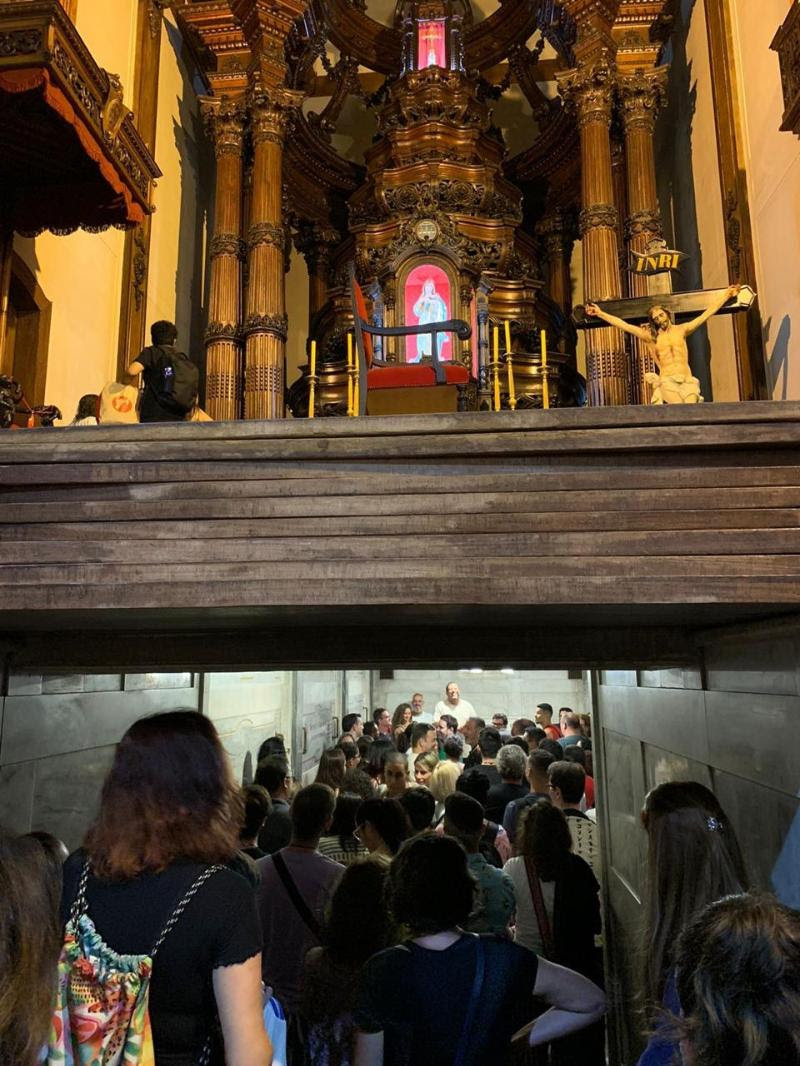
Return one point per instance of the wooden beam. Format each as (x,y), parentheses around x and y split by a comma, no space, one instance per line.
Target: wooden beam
(682,306)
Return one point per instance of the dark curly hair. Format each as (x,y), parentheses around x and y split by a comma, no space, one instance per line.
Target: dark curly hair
(416,896)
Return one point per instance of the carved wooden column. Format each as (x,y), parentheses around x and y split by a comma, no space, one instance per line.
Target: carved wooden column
(641,94)
(556,230)
(589,89)
(266,324)
(225,121)
(315,244)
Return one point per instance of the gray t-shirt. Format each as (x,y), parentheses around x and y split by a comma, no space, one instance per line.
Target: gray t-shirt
(287,938)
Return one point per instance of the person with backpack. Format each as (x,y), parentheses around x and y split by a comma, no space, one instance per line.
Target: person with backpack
(162,945)
(171,379)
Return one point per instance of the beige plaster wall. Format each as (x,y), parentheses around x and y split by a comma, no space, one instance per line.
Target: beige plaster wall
(297,312)
(690,195)
(81,274)
(177,282)
(773,175)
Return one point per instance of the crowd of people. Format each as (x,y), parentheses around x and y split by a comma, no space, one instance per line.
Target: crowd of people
(432,897)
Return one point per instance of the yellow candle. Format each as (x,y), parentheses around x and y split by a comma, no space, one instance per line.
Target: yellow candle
(512,396)
(545,384)
(312,372)
(496,362)
(356,383)
(350,374)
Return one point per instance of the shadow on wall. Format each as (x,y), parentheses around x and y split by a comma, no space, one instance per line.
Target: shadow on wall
(778,358)
(191,284)
(676,195)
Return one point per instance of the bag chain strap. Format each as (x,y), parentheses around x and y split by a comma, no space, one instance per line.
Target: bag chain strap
(198,884)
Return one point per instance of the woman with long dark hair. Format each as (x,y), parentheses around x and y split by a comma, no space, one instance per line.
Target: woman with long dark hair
(738,978)
(333,971)
(158,851)
(693,860)
(30,941)
(402,720)
(331,769)
(340,843)
(558,912)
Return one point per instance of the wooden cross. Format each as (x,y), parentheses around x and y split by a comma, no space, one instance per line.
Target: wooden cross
(682,306)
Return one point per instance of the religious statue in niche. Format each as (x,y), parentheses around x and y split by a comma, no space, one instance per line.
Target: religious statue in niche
(429,308)
(431,47)
(427,301)
(674,382)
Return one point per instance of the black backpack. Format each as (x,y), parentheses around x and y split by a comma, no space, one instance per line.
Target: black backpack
(173,379)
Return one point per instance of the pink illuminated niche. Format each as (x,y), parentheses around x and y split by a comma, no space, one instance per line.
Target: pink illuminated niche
(427,299)
(431,44)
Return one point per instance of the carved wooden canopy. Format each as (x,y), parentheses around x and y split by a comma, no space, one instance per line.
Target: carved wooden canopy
(70,155)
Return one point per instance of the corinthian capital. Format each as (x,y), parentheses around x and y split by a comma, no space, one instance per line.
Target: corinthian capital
(271,110)
(641,95)
(224,118)
(589,88)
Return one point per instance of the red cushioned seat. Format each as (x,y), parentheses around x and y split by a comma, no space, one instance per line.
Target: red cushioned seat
(414,375)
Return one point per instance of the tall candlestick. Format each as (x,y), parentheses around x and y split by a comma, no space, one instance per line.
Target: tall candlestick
(512,396)
(545,384)
(312,379)
(350,410)
(357,385)
(496,345)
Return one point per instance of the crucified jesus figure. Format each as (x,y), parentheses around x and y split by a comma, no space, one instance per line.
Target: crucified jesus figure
(674,382)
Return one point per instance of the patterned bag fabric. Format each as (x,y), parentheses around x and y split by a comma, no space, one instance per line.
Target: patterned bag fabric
(101,1015)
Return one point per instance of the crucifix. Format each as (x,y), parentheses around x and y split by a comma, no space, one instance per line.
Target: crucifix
(664,322)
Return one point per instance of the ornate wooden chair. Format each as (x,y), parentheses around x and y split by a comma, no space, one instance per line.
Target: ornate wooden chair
(406,388)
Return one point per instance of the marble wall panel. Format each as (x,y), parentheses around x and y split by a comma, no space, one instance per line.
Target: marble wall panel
(661,766)
(689,677)
(624,795)
(319,708)
(754,665)
(756,736)
(17,785)
(67,792)
(767,824)
(673,719)
(47,725)
(248,708)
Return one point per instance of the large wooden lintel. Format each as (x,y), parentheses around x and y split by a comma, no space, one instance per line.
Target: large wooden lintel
(413,645)
(682,306)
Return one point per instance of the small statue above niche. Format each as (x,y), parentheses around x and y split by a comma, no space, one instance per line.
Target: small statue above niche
(433,33)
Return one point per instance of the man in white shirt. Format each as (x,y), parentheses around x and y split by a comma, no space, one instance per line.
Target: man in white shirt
(453,704)
(417,702)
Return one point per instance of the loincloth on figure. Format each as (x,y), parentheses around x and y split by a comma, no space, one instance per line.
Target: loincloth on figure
(674,388)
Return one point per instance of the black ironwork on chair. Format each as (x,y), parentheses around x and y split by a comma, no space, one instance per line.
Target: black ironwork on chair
(412,374)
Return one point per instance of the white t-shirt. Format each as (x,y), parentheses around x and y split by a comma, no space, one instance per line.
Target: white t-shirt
(462,710)
(526,930)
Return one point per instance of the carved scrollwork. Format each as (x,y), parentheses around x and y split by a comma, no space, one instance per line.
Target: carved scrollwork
(597,215)
(91,103)
(139,267)
(224,119)
(640,222)
(227,244)
(20,42)
(733,232)
(589,89)
(266,233)
(271,114)
(223,331)
(641,95)
(268,323)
